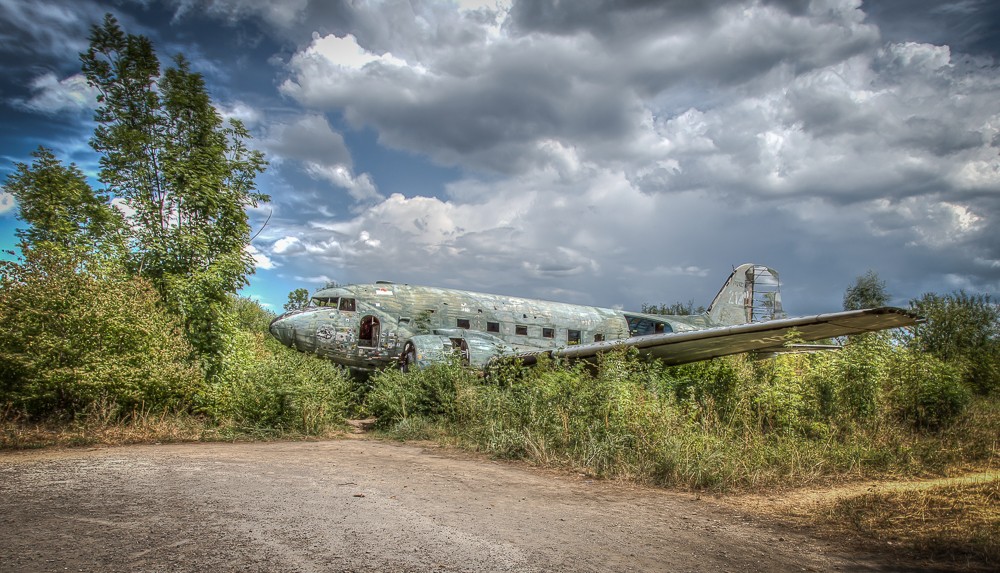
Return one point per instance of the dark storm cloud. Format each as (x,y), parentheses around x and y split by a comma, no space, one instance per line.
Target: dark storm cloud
(608,18)
(490,105)
(613,152)
(46,29)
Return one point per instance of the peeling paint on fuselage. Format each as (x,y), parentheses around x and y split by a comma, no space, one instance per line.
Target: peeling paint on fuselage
(399,312)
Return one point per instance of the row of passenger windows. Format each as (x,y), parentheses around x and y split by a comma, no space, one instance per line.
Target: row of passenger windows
(572,336)
(348,304)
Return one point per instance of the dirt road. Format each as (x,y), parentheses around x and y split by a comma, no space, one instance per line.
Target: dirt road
(361,505)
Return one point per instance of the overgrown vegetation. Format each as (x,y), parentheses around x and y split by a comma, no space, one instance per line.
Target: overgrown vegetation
(121,328)
(921,401)
(128,318)
(910,404)
(731,423)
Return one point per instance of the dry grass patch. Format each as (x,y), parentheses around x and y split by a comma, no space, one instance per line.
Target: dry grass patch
(952,522)
(958,522)
(17,433)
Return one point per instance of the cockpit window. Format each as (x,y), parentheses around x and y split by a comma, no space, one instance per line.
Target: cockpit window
(322,301)
(347,304)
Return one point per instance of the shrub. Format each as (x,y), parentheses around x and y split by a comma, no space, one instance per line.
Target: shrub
(75,333)
(428,393)
(263,385)
(926,392)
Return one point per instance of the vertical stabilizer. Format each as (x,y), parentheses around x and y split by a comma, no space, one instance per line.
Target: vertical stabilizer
(751,294)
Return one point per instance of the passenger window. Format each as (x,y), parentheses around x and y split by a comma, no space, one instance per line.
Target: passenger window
(347,304)
(598,337)
(521,330)
(492,327)
(548,332)
(463,323)
(573,337)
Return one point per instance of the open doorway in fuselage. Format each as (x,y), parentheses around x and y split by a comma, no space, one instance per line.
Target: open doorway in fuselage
(368,332)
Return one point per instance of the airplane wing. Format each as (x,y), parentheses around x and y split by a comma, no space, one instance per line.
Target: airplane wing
(683,347)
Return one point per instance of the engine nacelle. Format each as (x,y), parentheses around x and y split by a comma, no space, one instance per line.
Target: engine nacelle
(474,348)
(423,350)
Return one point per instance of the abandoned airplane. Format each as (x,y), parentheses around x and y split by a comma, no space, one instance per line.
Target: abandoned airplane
(366,327)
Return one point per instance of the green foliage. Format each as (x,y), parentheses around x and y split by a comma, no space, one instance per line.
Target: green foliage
(429,393)
(249,315)
(733,422)
(926,392)
(858,375)
(963,330)
(297,299)
(61,209)
(165,152)
(868,291)
(107,317)
(71,339)
(263,386)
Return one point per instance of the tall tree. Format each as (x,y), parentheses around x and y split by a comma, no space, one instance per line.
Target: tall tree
(189,178)
(61,209)
(868,291)
(297,299)
(962,329)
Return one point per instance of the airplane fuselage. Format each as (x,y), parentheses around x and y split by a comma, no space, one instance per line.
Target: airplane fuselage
(365,327)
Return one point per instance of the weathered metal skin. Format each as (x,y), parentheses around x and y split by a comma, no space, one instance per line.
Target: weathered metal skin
(369,326)
(494,324)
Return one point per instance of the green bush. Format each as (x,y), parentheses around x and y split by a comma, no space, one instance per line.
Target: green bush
(926,393)
(75,333)
(860,370)
(264,386)
(428,393)
(963,330)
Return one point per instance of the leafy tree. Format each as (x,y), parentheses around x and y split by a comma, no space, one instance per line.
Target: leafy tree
(58,205)
(868,291)
(961,329)
(188,178)
(297,299)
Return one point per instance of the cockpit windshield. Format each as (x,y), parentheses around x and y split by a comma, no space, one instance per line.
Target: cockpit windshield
(323,301)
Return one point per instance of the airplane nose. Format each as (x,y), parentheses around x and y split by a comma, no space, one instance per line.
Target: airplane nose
(279,330)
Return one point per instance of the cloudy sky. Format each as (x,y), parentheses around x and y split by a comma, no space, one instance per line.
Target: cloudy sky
(604,152)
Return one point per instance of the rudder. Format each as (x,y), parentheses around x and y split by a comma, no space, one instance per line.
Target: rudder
(751,294)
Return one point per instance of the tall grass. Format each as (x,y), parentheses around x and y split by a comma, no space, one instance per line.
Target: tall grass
(729,424)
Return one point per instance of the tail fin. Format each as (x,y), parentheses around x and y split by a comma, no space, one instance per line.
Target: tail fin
(752,294)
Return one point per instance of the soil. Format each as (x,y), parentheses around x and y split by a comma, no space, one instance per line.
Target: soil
(362,505)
